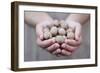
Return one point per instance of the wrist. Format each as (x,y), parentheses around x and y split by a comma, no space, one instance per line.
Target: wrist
(45,23)
(44,19)
(72,22)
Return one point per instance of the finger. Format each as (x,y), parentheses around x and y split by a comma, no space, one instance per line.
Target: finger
(73,42)
(45,43)
(53,47)
(39,31)
(77,32)
(57,52)
(68,47)
(65,53)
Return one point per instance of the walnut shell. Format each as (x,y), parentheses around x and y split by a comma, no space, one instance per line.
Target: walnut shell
(47,35)
(46,30)
(70,35)
(69,30)
(63,24)
(61,31)
(48,25)
(54,30)
(59,39)
(56,23)
(64,36)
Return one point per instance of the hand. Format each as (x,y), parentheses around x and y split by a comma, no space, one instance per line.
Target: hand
(49,44)
(71,45)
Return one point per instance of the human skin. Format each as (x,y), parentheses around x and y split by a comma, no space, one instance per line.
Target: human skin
(75,21)
(41,19)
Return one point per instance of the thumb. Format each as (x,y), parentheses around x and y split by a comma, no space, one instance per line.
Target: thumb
(77,32)
(39,31)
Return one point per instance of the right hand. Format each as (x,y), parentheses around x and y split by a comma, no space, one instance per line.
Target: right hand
(71,45)
(49,44)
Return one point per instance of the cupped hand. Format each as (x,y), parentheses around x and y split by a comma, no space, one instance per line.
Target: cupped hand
(71,45)
(48,44)
(57,49)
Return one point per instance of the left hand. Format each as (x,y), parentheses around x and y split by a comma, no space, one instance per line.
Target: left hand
(71,45)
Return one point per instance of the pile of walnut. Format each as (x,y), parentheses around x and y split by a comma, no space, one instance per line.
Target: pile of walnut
(59,30)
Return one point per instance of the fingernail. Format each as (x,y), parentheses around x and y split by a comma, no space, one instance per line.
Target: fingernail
(59,50)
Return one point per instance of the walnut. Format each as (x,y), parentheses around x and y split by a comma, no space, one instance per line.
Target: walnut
(53,30)
(59,39)
(56,23)
(69,30)
(61,31)
(47,35)
(64,37)
(48,25)
(70,35)
(63,24)
(46,30)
